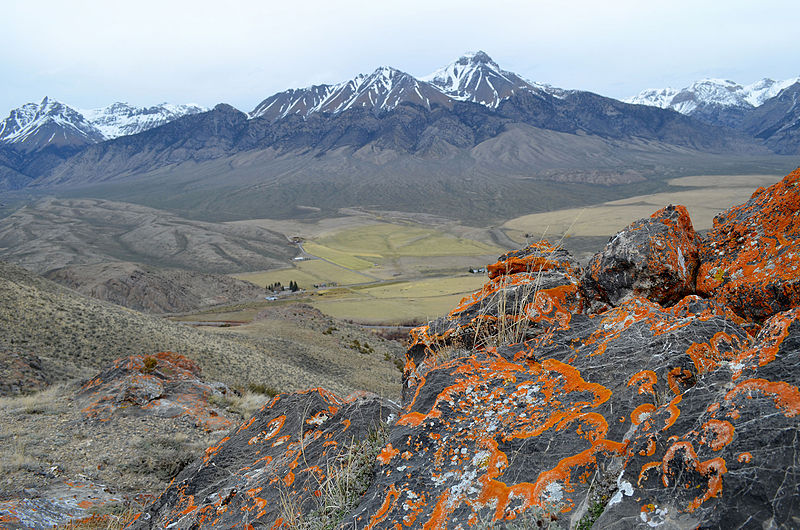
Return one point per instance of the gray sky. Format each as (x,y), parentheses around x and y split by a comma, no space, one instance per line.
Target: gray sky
(92,53)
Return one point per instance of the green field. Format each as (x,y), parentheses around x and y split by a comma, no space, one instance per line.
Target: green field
(306,274)
(387,241)
(396,303)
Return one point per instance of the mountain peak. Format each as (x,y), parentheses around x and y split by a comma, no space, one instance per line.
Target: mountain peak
(477,78)
(478,58)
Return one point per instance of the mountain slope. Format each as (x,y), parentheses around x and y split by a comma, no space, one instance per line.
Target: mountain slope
(152,289)
(74,336)
(777,121)
(381,91)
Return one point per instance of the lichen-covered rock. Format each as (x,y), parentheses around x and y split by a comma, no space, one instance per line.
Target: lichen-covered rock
(653,408)
(540,256)
(271,468)
(751,258)
(55,505)
(528,292)
(536,430)
(655,258)
(724,453)
(165,384)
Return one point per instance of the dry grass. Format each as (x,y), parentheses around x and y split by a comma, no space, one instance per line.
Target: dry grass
(347,477)
(120,518)
(44,402)
(75,336)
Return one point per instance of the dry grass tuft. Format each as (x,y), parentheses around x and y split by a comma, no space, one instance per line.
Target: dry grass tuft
(346,479)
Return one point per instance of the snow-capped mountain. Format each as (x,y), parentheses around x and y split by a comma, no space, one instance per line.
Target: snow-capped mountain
(712,93)
(37,125)
(382,90)
(52,123)
(474,77)
(477,78)
(122,119)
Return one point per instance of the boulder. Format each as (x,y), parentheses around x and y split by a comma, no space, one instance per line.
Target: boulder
(272,470)
(165,384)
(751,257)
(537,431)
(655,258)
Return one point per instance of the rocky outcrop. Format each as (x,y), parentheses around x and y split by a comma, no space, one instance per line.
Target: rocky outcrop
(61,503)
(635,394)
(165,384)
(273,468)
(21,373)
(655,258)
(751,258)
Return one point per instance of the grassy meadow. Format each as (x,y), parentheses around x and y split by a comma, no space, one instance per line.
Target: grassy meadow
(381,272)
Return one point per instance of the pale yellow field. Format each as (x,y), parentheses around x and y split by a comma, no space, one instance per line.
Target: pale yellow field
(389,311)
(432,287)
(704,198)
(398,302)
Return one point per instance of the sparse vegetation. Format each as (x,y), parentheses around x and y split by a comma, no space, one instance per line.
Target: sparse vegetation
(163,457)
(244,404)
(347,477)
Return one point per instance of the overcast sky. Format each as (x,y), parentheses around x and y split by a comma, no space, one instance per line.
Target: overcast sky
(92,53)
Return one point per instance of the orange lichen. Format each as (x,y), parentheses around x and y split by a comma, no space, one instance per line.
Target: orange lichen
(717,433)
(712,470)
(387,453)
(674,412)
(642,412)
(645,380)
(211,451)
(383,511)
(786,396)
(751,255)
(745,458)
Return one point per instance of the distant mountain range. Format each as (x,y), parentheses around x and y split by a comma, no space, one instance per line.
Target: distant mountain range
(33,126)
(389,139)
(767,109)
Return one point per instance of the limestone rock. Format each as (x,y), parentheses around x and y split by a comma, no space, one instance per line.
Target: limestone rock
(723,454)
(655,258)
(751,258)
(57,504)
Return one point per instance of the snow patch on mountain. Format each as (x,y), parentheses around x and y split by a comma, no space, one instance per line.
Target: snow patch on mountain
(50,122)
(122,119)
(477,78)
